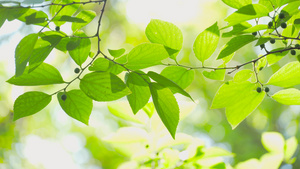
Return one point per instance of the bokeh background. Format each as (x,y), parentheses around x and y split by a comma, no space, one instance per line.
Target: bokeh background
(51,139)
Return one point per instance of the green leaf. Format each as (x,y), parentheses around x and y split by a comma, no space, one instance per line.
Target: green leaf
(246,13)
(290,148)
(289,10)
(2,14)
(165,33)
(30,103)
(234,44)
(243,75)
(283,2)
(149,109)
(237,3)
(79,48)
(270,4)
(239,99)
(87,16)
(179,75)
(66,18)
(228,58)
(140,91)
(288,96)
(206,42)
(261,64)
(286,76)
(146,55)
(218,74)
(163,81)
(43,48)
(35,17)
(102,64)
(262,40)
(103,86)
(77,105)
(237,29)
(23,52)
(12,13)
(68,10)
(166,106)
(255,28)
(62,45)
(273,142)
(45,74)
(116,53)
(275,57)
(53,37)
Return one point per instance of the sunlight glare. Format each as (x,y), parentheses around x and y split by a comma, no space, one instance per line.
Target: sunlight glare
(175,11)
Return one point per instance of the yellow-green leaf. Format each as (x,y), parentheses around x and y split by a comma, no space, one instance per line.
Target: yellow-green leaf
(288,96)
(286,76)
(207,42)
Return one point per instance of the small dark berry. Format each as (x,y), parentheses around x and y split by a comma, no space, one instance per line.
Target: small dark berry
(254,33)
(281,16)
(297,46)
(63,97)
(293,52)
(270,24)
(57,28)
(258,89)
(272,41)
(77,70)
(261,68)
(262,45)
(283,25)
(147,146)
(267,89)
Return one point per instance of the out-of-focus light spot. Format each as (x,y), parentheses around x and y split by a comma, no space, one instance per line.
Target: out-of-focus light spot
(82,156)
(258,121)
(176,11)
(10,27)
(184,155)
(292,128)
(47,153)
(217,133)
(117,37)
(73,142)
